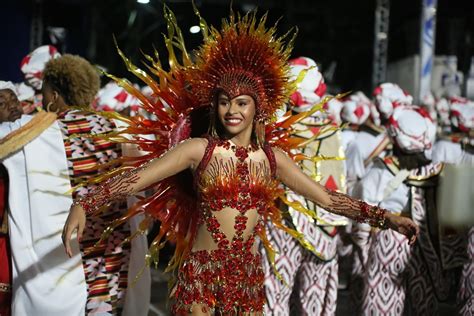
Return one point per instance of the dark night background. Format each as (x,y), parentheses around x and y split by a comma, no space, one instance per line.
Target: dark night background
(338,34)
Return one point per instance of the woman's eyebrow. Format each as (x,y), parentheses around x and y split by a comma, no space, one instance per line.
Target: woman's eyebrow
(241,99)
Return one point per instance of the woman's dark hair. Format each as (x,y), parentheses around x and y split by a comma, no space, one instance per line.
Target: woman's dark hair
(200,121)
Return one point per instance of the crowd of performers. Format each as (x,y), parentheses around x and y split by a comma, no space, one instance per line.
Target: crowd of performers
(207,151)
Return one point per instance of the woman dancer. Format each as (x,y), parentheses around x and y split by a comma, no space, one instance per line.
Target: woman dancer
(241,76)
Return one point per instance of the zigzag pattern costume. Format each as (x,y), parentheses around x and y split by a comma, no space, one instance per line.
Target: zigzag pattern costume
(397,273)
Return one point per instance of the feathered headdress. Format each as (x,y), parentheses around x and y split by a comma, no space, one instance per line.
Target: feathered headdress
(244,57)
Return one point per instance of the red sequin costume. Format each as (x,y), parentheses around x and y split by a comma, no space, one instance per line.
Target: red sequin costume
(238,181)
(234,187)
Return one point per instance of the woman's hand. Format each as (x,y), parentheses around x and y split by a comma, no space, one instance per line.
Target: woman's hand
(404,226)
(75,220)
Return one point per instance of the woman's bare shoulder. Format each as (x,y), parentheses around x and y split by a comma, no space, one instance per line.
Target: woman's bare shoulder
(194,147)
(198,142)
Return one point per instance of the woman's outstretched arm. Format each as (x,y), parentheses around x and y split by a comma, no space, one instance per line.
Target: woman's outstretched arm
(186,155)
(292,176)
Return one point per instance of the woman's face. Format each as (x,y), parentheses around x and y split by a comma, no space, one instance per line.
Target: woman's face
(236,115)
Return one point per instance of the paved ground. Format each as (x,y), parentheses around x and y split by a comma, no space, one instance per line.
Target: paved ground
(159,294)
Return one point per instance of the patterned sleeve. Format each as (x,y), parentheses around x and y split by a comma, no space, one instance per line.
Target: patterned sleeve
(114,189)
(357,210)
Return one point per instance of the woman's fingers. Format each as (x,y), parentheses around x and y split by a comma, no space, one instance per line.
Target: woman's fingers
(414,231)
(67,233)
(75,221)
(417,230)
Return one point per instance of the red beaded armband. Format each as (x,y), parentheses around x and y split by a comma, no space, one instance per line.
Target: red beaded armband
(360,211)
(373,215)
(94,200)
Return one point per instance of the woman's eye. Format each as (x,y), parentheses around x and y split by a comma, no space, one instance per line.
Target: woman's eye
(242,104)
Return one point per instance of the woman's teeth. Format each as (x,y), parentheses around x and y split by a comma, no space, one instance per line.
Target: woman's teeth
(234,121)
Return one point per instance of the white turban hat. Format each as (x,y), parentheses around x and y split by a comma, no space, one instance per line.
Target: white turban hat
(112,97)
(33,64)
(8,85)
(311,89)
(412,129)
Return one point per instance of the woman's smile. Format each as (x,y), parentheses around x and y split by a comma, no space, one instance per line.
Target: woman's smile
(232,121)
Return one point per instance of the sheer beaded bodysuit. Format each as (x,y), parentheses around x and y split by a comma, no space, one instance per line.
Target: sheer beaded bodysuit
(236,189)
(223,271)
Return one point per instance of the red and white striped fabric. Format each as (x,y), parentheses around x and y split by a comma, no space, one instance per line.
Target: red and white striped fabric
(412,129)
(112,97)
(33,64)
(311,89)
(388,96)
(356,109)
(462,113)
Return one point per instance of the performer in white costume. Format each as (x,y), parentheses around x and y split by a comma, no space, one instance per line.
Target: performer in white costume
(46,282)
(312,277)
(398,277)
(372,140)
(48,156)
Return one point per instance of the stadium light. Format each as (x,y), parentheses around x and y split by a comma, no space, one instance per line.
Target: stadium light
(194,29)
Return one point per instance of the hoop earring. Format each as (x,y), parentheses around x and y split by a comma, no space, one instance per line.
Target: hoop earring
(48,107)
